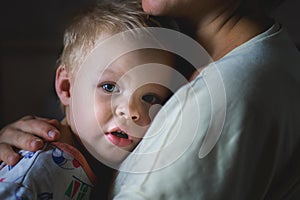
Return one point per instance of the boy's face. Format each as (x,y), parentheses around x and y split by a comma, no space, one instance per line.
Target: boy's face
(111,107)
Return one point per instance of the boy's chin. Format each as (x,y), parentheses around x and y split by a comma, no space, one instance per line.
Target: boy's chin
(113,159)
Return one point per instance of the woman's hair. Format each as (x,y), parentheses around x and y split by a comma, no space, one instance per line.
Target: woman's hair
(263,6)
(104,17)
(269,5)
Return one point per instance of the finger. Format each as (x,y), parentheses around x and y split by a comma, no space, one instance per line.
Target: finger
(53,122)
(8,155)
(21,140)
(39,128)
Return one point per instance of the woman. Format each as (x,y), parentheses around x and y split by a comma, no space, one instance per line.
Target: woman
(254,148)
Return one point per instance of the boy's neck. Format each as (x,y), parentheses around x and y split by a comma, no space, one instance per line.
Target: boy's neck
(67,136)
(100,170)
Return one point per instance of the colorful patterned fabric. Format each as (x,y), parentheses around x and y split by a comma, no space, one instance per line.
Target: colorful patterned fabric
(59,171)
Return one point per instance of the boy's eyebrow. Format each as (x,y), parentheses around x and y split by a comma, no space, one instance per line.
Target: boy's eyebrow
(105,71)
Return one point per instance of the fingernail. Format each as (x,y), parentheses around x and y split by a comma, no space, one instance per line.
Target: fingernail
(52,134)
(36,143)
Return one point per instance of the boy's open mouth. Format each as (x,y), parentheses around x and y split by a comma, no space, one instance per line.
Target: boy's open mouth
(120,134)
(119,138)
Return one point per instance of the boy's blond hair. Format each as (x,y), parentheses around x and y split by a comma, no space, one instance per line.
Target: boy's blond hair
(104,17)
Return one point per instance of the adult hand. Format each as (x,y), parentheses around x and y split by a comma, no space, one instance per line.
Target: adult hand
(28,134)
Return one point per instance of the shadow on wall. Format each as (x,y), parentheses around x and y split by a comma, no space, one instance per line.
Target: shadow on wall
(31,38)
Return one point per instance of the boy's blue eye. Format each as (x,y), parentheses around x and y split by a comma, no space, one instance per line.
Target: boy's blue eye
(151,99)
(110,87)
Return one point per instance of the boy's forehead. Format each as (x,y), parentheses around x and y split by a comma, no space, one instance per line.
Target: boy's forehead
(115,45)
(139,63)
(150,54)
(125,50)
(129,63)
(143,56)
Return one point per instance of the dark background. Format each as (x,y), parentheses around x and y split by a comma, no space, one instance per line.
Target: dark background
(31,38)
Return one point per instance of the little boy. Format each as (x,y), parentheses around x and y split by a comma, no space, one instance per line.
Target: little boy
(109,102)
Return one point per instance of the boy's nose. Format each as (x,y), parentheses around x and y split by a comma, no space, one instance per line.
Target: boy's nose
(135,116)
(128,113)
(134,111)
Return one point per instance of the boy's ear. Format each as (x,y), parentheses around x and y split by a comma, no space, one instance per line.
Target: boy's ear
(62,85)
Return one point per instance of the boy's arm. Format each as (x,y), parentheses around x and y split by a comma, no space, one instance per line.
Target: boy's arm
(50,173)
(14,190)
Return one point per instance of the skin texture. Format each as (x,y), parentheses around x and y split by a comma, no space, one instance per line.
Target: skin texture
(116,98)
(219,26)
(26,133)
(129,109)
